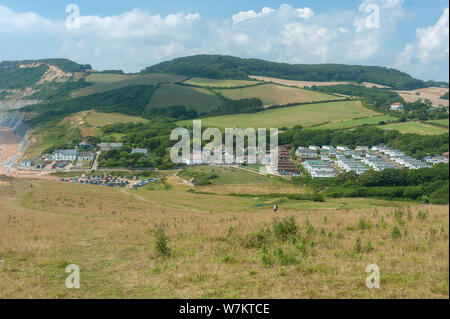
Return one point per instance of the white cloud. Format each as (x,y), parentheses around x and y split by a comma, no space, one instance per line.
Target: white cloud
(429,55)
(304,13)
(137,38)
(246,15)
(12,22)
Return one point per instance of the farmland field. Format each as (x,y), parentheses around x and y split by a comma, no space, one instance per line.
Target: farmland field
(89,122)
(104,77)
(219,83)
(345,124)
(173,94)
(111,237)
(443,122)
(271,94)
(306,115)
(300,84)
(416,127)
(102,85)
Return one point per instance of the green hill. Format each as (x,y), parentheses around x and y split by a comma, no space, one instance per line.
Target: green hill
(228,67)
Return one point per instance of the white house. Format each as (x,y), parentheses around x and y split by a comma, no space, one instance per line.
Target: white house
(86,156)
(397,106)
(142,151)
(66,155)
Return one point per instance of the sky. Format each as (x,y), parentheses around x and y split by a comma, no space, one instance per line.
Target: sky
(409,35)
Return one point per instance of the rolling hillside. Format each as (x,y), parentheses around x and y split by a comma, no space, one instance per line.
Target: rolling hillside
(228,67)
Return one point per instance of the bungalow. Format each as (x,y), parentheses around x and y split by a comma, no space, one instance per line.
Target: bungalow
(142,151)
(397,106)
(106,146)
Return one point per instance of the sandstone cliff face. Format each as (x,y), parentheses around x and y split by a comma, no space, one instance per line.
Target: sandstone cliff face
(14,121)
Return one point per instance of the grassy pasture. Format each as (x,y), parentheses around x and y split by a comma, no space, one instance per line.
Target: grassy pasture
(200,99)
(110,236)
(306,115)
(102,85)
(106,78)
(416,127)
(443,122)
(219,83)
(345,124)
(271,94)
(89,122)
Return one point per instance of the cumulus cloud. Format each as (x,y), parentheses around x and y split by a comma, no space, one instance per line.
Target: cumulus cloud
(430,53)
(137,38)
(12,22)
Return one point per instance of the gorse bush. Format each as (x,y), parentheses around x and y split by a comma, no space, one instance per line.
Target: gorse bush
(396,233)
(161,241)
(258,239)
(284,228)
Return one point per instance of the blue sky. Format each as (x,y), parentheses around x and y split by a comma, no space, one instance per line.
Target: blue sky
(410,35)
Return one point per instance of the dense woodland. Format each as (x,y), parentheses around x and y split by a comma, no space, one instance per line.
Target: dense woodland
(228,67)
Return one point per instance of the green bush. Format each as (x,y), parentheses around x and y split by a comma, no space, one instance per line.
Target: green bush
(258,239)
(396,233)
(161,241)
(284,228)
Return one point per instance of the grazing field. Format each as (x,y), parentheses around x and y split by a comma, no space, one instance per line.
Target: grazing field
(219,246)
(219,83)
(416,127)
(89,122)
(272,94)
(345,124)
(431,93)
(443,122)
(300,84)
(199,99)
(306,115)
(106,78)
(104,86)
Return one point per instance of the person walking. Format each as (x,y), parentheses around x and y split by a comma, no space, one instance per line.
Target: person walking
(275,209)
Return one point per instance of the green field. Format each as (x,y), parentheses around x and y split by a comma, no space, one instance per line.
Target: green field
(306,115)
(99,119)
(199,99)
(108,82)
(106,78)
(272,94)
(443,122)
(416,127)
(219,83)
(345,124)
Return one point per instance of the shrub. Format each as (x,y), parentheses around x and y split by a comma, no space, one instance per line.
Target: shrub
(422,215)
(363,224)
(284,228)
(358,246)
(396,233)
(258,239)
(283,258)
(161,241)
(266,258)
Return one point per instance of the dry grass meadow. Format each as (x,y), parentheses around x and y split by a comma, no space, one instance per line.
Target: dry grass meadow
(218,246)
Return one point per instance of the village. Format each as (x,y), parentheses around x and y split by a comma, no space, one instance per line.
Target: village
(325,161)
